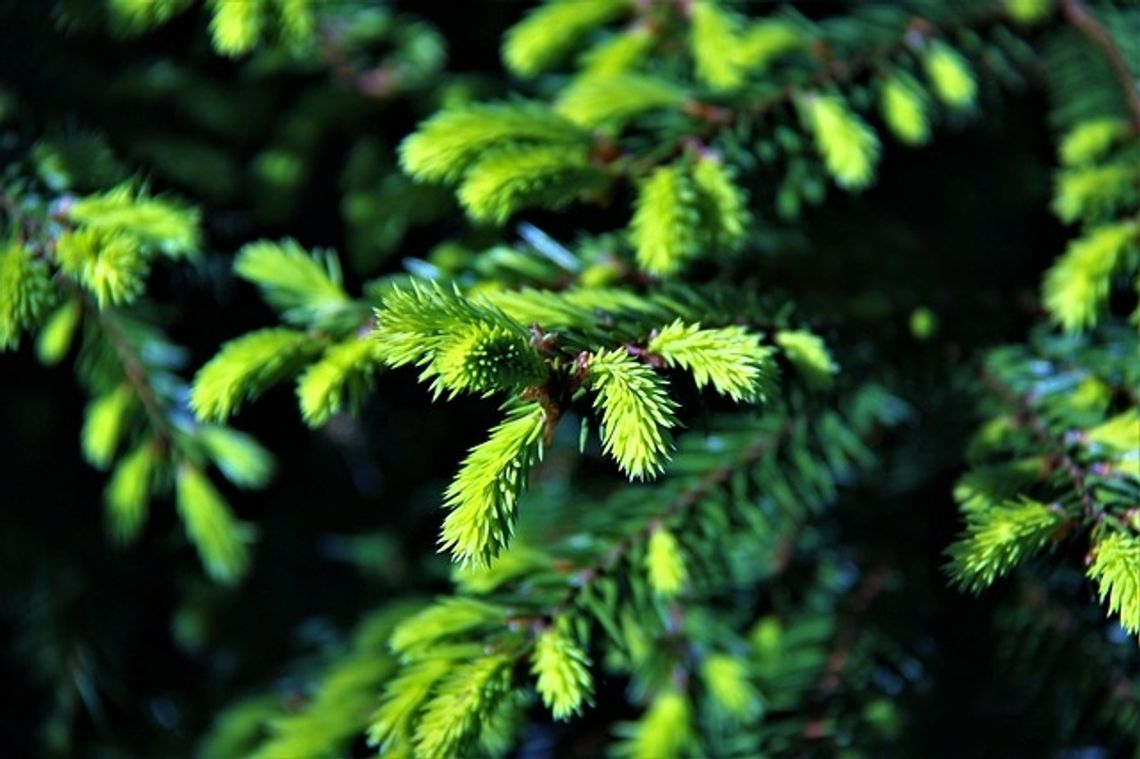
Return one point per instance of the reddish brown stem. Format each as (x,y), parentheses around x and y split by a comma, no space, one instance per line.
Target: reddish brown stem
(1080,18)
(681,502)
(1059,456)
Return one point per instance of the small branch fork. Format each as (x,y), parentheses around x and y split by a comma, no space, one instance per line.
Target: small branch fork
(832,71)
(1060,457)
(684,500)
(134,370)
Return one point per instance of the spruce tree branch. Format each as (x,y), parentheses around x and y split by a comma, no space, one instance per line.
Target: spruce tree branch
(134,370)
(683,501)
(686,499)
(869,589)
(871,586)
(837,71)
(833,71)
(1119,386)
(1079,16)
(1061,621)
(1077,475)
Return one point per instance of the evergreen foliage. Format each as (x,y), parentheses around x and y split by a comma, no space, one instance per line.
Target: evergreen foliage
(848,146)
(94,253)
(601,101)
(562,671)
(1056,462)
(730,359)
(721,409)
(454,141)
(664,228)
(636,412)
(904,107)
(551,30)
(484,495)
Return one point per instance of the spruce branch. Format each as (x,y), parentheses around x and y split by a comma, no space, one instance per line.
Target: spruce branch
(1079,16)
(1076,288)
(637,412)
(830,73)
(453,716)
(1056,447)
(731,359)
(222,541)
(484,495)
(655,585)
(839,658)
(550,30)
(562,671)
(305,288)
(134,369)
(246,367)
(689,497)
(101,246)
(998,538)
(1116,569)
(665,730)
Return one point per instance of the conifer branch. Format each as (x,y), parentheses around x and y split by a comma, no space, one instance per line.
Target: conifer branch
(1079,16)
(1116,569)
(684,500)
(99,248)
(839,658)
(1076,474)
(726,601)
(134,371)
(831,72)
(870,587)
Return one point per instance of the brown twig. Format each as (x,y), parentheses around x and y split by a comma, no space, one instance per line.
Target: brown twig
(684,500)
(1080,18)
(872,585)
(134,371)
(1060,456)
(869,589)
